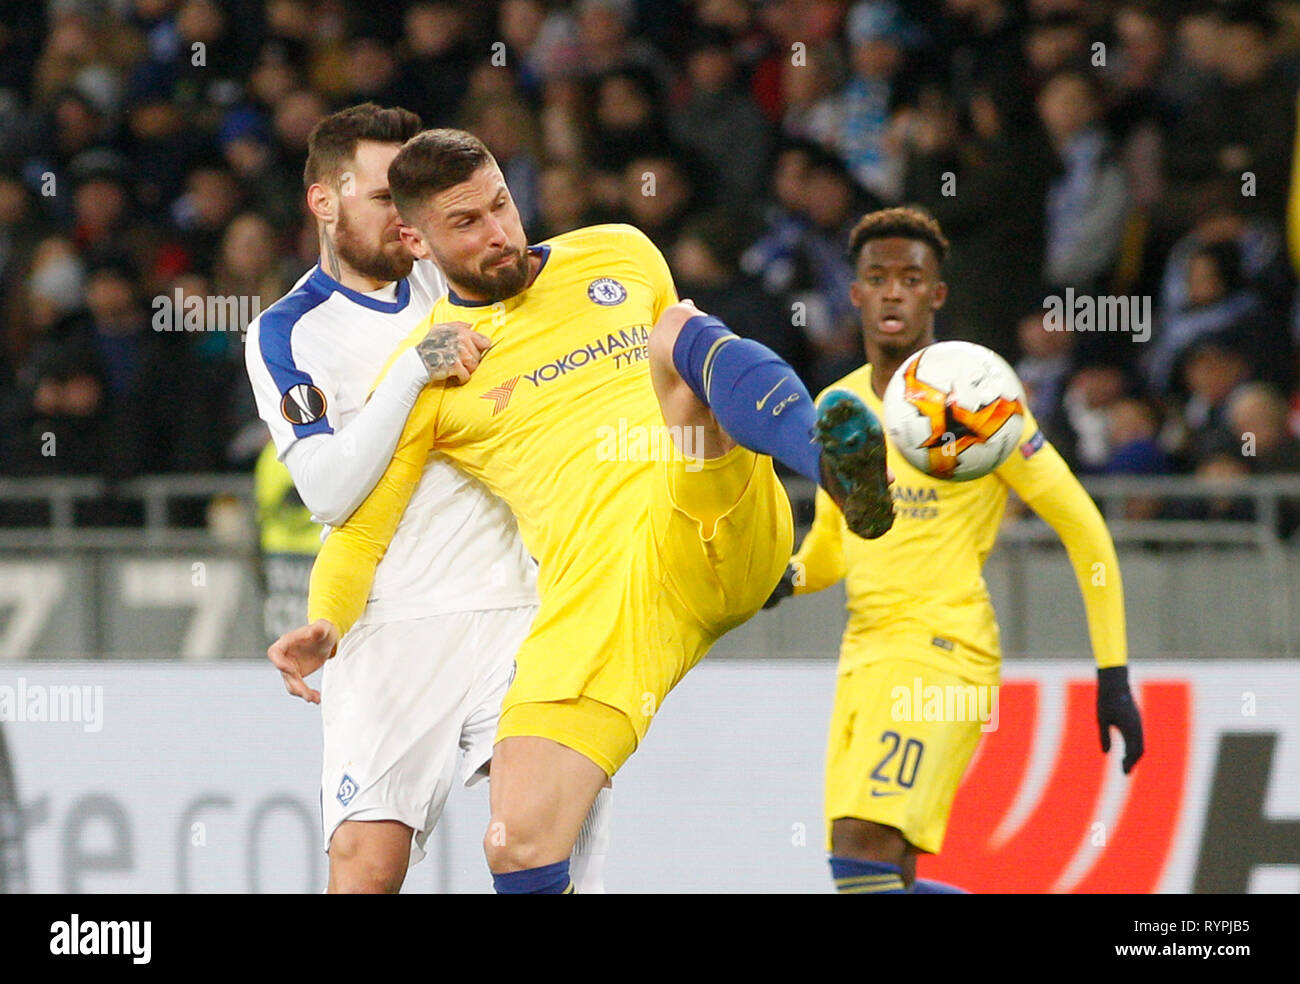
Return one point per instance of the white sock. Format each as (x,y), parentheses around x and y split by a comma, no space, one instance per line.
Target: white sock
(587,865)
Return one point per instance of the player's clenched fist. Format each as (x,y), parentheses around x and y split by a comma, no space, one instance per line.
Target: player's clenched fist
(301,652)
(451,350)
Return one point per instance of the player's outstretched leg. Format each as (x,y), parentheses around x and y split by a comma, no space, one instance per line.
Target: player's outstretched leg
(754,398)
(853,463)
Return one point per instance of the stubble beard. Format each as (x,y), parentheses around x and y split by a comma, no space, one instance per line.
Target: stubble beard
(376,262)
(490,284)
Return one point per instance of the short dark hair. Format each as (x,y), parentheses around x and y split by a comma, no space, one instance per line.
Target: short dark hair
(333,141)
(433,161)
(898,223)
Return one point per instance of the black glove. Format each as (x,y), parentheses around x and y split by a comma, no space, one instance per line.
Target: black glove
(1116,708)
(784,588)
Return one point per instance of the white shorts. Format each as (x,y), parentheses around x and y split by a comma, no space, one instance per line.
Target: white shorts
(409,707)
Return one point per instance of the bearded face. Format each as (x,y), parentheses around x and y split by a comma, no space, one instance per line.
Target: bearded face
(379,255)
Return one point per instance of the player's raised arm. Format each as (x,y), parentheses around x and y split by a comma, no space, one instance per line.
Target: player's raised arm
(1044,481)
(334,472)
(345,568)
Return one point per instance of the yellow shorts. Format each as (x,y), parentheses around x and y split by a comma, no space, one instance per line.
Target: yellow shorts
(598,731)
(900,741)
(714,540)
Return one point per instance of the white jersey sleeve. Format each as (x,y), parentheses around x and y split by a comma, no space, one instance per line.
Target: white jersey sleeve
(335,472)
(335,445)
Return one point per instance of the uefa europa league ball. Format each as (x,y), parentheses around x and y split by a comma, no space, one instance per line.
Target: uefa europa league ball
(955,410)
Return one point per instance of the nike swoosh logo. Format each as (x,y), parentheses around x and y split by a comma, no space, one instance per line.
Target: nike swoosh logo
(896,792)
(759,404)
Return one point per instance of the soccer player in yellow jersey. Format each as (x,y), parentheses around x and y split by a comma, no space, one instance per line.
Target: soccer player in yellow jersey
(919,611)
(647,555)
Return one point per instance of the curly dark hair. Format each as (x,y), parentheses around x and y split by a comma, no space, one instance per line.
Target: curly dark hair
(900,223)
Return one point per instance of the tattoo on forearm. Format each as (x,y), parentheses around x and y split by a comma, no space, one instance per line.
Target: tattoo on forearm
(439,350)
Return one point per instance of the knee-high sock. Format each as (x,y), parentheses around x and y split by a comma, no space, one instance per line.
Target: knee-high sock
(550,879)
(924,886)
(587,866)
(856,877)
(758,399)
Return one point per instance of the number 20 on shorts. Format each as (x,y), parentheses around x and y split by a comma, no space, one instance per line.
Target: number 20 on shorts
(909,760)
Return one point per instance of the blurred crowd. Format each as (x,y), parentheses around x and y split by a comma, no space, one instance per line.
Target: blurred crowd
(151,151)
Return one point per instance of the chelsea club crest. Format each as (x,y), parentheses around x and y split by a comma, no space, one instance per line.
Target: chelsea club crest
(607,291)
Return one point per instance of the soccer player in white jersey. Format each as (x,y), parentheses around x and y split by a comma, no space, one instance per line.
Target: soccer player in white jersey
(410,700)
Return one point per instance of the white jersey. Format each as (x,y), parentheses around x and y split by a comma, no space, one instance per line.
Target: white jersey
(312,358)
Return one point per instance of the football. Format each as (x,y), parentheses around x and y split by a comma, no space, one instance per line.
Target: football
(955,410)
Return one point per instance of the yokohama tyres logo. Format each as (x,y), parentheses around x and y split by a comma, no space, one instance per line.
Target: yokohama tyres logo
(1041,853)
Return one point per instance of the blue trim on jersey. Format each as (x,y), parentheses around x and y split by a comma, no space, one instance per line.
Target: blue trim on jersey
(323,280)
(544,251)
(275,330)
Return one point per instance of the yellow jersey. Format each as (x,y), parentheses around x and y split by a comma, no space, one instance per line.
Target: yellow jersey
(918,591)
(540,422)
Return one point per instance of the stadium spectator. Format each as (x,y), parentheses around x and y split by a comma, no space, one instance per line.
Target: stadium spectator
(565,202)
(986,184)
(1220,463)
(372,74)
(437,58)
(1242,128)
(57,420)
(1257,414)
(809,108)
(510,132)
(564,122)
(1090,394)
(1220,303)
(706,268)
(878,37)
(1133,428)
(1053,43)
(54,287)
(212,199)
(774,256)
(1087,205)
(19,234)
(657,196)
(1211,374)
(981,46)
(1044,367)
(719,121)
(606,42)
(629,123)
(250,265)
(145,133)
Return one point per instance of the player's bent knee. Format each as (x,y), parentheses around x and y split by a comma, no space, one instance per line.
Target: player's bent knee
(368,861)
(663,337)
(365,879)
(517,853)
